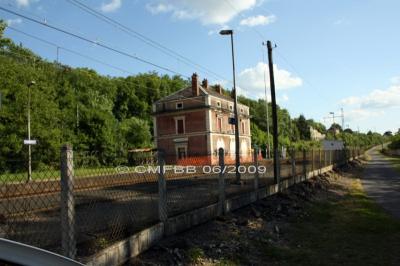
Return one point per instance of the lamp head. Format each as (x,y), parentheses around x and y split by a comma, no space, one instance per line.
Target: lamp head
(226,32)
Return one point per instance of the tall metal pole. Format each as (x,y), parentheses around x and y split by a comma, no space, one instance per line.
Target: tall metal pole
(274,114)
(237,146)
(29,133)
(341,109)
(266,107)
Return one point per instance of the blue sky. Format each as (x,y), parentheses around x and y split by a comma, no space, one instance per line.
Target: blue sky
(331,54)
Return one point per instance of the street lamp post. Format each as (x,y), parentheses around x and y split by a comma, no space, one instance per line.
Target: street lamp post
(29,131)
(237,146)
(333,117)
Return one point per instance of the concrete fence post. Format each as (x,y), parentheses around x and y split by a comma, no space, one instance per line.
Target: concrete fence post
(320,161)
(162,188)
(221,182)
(256,174)
(68,241)
(293,162)
(326,163)
(305,164)
(312,162)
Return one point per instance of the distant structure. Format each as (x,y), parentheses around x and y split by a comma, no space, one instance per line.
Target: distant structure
(316,135)
(197,121)
(332,145)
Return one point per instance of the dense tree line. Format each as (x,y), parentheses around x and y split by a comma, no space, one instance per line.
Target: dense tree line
(102,114)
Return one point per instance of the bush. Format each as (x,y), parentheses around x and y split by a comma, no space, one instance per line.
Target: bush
(395,145)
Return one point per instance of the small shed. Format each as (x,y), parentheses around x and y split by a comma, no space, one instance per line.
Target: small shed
(144,156)
(332,145)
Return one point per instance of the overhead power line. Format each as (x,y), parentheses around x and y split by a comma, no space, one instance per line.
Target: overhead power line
(280,54)
(70,51)
(33,59)
(135,34)
(92,42)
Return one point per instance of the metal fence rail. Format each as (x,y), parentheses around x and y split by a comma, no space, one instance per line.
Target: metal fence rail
(76,209)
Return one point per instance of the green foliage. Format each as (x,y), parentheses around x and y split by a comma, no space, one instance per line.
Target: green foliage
(395,144)
(105,115)
(355,139)
(96,113)
(334,127)
(303,127)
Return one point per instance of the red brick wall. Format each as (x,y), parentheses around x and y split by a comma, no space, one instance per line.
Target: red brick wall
(194,122)
(196,148)
(197,145)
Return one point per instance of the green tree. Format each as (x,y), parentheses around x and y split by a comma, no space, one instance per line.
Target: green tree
(303,127)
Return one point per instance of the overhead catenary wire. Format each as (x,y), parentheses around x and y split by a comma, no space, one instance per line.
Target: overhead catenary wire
(279,53)
(135,34)
(70,51)
(83,38)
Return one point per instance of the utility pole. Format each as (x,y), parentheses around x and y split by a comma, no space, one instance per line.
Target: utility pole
(266,107)
(274,113)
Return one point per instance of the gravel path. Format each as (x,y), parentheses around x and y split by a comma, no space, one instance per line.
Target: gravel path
(382,182)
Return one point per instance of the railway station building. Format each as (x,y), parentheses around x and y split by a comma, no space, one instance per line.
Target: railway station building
(194,122)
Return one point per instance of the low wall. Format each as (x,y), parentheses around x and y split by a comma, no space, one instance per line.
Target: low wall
(121,251)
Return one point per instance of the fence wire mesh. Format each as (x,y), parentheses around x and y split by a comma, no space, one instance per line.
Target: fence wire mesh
(113,202)
(191,183)
(30,204)
(78,206)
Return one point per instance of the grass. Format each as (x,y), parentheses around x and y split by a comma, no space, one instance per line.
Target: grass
(195,254)
(54,174)
(351,230)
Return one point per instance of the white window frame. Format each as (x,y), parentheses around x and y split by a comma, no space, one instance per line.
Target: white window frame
(179,108)
(219,118)
(179,146)
(176,124)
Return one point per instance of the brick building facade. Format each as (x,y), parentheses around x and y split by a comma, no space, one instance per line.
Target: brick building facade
(194,122)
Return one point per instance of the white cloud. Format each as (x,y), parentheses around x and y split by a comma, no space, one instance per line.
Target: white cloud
(258,20)
(374,105)
(395,80)
(23,3)
(252,79)
(111,6)
(159,8)
(360,114)
(223,27)
(207,11)
(377,99)
(12,22)
(284,98)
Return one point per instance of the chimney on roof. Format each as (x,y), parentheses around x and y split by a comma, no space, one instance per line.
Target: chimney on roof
(204,83)
(195,85)
(218,88)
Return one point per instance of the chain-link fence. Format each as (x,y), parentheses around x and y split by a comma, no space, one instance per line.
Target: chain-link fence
(78,206)
(30,204)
